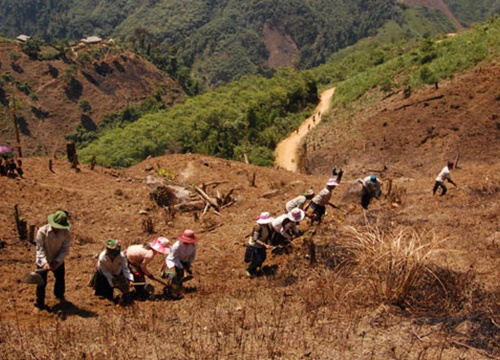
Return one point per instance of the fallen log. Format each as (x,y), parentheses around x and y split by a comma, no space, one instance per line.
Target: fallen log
(419,102)
(207,198)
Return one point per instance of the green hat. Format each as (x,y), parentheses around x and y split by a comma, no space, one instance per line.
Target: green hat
(59,220)
(113,244)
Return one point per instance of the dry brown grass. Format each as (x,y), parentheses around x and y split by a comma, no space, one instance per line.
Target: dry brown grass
(388,264)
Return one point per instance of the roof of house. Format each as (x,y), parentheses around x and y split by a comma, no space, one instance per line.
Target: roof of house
(23,37)
(92,39)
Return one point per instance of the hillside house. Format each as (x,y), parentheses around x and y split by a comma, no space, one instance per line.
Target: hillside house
(22,38)
(91,40)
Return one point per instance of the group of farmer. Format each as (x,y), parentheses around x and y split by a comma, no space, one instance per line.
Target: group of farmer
(127,269)
(271,233)
(116,268)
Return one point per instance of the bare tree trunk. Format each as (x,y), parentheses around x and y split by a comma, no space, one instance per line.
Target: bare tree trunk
(22,228)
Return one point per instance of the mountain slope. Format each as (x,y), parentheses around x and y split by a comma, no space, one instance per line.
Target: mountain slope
(213,42)
(451,312)
(55,96)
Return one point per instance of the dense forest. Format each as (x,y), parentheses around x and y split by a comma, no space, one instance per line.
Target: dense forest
(209,43)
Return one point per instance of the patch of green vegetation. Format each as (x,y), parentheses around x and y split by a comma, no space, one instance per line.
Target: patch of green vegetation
(471,12)
(246,117)
(432,61)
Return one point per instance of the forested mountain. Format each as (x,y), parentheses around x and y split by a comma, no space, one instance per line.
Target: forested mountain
(211,42)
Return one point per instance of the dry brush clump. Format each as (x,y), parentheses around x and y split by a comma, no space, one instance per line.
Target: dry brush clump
(385,265)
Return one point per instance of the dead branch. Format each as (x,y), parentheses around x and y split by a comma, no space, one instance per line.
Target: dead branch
(227,198)
(419,102)
(216,183)
(252,183)
(207,198)
(228,204)
(456,160)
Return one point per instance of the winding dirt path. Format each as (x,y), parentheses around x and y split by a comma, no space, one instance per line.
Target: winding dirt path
(286,153)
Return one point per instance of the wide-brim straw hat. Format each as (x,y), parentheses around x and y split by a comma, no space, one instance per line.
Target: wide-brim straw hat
(309,192)
(113,244)
(59,220)
(332,182)
(187,237)
(264,218)
(161,244)
(296,214)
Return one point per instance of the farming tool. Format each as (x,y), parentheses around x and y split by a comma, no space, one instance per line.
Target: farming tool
(34,277)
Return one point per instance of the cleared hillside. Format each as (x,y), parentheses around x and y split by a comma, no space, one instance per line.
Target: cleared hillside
(66,88)
(328,309)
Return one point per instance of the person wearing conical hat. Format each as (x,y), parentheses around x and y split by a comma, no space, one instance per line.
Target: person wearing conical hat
(179,260)
(112,271)
(319,202)
(139,257)
(259,241)
(52,246)
(299,201)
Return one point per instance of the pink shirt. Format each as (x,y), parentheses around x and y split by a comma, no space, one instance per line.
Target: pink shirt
(139,256)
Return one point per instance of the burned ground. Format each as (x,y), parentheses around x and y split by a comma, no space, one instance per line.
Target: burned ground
(323,300)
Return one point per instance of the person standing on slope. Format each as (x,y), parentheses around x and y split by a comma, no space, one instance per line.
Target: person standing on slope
(258,243)
(52,247)
(442,176)
(319,202)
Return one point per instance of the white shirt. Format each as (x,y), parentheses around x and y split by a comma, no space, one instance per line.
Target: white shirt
(181,252)
(371,187)
(299,202)
(284,230)
(112,268)
(51,246)
(323,197)
(444,174)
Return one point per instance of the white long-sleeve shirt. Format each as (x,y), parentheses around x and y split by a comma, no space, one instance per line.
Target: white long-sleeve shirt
(113,267)
(297,202)
(323,197)
(371,187)
(52,245)
(284,229)
(181,252)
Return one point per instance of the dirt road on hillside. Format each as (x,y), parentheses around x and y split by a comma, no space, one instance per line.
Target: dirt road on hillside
(287,151)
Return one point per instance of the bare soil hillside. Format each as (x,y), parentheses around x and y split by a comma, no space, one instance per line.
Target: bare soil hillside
(48,93)
(314,302)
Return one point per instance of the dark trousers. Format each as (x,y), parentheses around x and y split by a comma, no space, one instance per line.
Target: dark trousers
(59,285)
(317,212)
(102,287)
(256,257)
(366,198)
(437,185)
